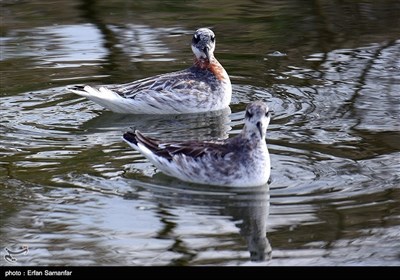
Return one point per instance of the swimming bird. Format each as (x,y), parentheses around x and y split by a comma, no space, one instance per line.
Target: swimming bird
(239,161)
(203,87)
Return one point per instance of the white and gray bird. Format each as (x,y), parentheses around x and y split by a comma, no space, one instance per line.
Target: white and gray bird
(203,87)
(239,161)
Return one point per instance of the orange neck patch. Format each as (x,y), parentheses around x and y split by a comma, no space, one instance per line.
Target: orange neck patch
(214,66)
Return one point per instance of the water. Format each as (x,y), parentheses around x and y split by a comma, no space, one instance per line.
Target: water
(76,194)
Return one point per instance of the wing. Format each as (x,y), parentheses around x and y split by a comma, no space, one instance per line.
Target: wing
(168,150)
(181,81)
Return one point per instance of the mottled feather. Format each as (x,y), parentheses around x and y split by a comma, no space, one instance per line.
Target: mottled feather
(242,160)
(203,87)
(193,149)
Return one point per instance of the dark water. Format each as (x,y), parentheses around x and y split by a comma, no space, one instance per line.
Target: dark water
(75,194)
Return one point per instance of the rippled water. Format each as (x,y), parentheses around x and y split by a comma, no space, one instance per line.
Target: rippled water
(76,194)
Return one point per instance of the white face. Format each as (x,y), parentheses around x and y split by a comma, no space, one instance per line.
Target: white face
(203,43)
(257,118)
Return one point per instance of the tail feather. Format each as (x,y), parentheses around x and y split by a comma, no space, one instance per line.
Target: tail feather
(130,137)
(88,91)
(109,93)
(78,89)
(136,137)
(112,100)
(104,97)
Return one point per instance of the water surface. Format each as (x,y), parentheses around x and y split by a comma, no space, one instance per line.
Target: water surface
(76,194)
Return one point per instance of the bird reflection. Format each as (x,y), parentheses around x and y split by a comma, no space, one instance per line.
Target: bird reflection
(204,126)
(252,210)
(248,209)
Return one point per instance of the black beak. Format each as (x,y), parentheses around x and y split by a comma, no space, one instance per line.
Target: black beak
(260,129)
(206,50)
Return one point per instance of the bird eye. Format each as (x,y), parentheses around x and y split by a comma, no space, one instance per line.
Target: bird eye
(196,38)
(213,38)
(248,115)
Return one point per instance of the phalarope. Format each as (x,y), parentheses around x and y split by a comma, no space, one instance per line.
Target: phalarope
(239,161)
(205,86)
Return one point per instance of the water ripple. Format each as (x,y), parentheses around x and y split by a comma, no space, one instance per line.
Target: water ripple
(76,194)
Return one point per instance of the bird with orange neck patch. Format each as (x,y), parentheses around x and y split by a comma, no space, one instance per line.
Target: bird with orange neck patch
(203,87)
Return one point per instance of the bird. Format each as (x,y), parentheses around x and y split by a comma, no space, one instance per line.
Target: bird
(239,161)
(203,87)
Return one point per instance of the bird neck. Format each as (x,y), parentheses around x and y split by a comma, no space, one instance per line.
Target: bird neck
(203,63)
(252,135)
(212,65)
